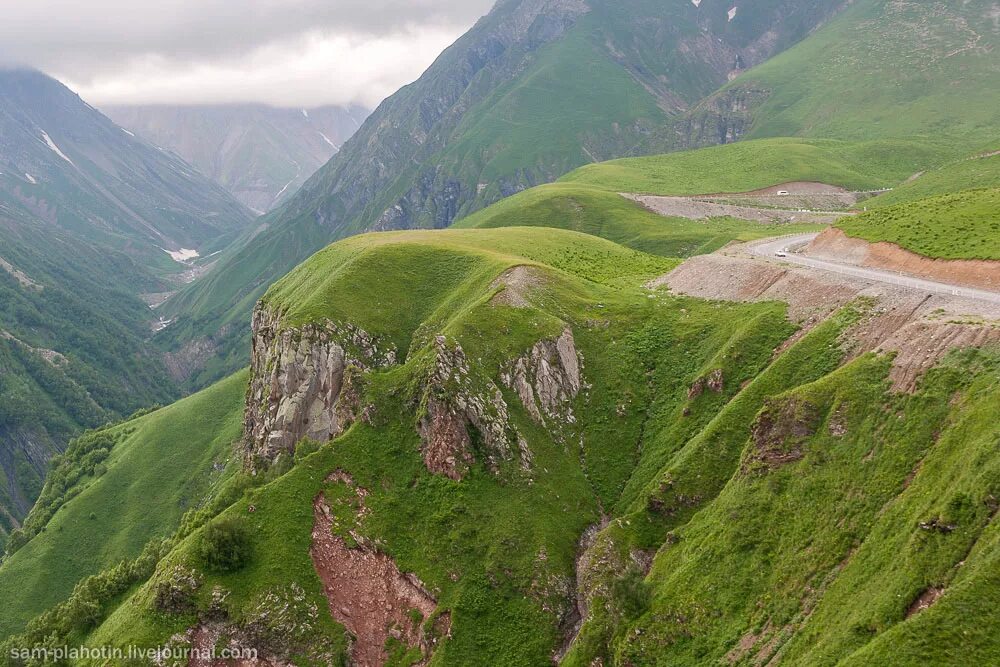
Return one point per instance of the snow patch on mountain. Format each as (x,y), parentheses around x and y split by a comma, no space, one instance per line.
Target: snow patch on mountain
(327,140)
(182,255)
(55,149)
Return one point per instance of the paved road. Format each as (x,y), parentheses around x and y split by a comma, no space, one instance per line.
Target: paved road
(770,247)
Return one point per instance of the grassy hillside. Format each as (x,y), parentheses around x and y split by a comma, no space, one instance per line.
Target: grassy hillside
(753,165)
(599,212)
(88,215)
(700,450)
(981,170)
(825,552)
(531,92)
(965,225)
(440,283)
(114,491)
(853,78)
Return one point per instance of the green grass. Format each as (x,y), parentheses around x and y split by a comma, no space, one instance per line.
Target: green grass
(164,464)
(965,225)
(752,165)
(599,212)
(477,542)
(826,547)
(969,173)
(392,282)
(820,558)
(883,69)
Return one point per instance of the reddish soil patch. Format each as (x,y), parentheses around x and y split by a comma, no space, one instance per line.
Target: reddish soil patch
(834,245)
(368,594)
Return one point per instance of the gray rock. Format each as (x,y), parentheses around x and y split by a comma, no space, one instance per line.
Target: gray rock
(304,383)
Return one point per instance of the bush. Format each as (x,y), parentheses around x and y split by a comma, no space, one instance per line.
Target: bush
(225,545)
(631,594)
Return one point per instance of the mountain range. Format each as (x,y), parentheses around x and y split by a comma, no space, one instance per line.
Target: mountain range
(508,107)
(260,154)
(91,219)
(631,334)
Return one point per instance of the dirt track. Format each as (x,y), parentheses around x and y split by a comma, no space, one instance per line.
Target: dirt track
(836,246)
(771,247)
(700,209)
(799,201)
(919,325)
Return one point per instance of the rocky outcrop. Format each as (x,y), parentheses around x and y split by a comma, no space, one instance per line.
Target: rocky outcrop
(715,381)
(780,433)
(722,119)
(463,413)
(457,406)
(305,383)
(547,379)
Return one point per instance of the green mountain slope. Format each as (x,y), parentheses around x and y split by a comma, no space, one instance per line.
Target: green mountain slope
(882,68)
(981,170)
(88,216)
(529,432)
(115,490)
(588,200)
(606,214)
(753,165)
(532,91)
(965,225)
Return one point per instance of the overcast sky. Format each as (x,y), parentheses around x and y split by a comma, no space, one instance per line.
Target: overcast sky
(298,53)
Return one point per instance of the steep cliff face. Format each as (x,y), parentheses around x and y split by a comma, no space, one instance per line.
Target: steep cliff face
(305,383)
(722,119)
(308,382)
(458,405)
(462,409)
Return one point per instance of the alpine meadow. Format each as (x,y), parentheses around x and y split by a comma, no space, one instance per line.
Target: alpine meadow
(630,333)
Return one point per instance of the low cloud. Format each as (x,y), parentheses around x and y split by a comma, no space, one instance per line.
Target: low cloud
(281,52)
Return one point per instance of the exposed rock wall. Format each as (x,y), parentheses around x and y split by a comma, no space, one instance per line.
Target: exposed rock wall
(304,383)
(455,405)
(462,411)
(548,378)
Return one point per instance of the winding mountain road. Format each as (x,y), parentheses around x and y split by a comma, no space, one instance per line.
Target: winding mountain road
(790,245)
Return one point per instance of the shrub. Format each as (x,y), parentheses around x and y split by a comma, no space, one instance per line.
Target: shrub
(225,545)
(631,594)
